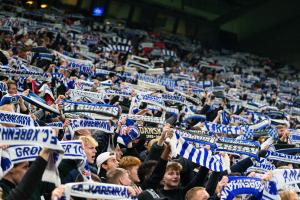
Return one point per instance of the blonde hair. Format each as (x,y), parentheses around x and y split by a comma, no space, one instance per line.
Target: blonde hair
(174,166)
(151,142)
(189,195)
(88,140)
(129,161)
(287,194)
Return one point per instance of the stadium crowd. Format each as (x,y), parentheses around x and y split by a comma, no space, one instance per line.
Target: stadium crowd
(101,111)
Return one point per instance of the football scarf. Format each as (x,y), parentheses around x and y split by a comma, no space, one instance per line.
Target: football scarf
(39,102)
(201,156)
(157,120)
(272,155)
(94,190)
(261,166)
(75,94)
(127,134)
(16,118)
(3,87)
(29,135)
(102,125)
(286,178)
(99,109)
(242,185)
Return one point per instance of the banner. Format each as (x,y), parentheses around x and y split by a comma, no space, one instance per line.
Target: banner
(150,132)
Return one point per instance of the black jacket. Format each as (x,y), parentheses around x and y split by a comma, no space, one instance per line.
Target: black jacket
(179,193)
(26,189)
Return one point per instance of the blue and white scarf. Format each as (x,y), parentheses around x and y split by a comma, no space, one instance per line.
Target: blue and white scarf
(127,134)
(294,136)
(94,190)
(272,155)
(242,185)
(158,120)
(286,178)
(73,150)
(117,93)
(173,98)
(19,153)
(39,102)
(201,156)
(56,125)
(261,166)
(94,96)
(102,125)
(16,118)
(99,109)
(3,87)
(28,136)
(246,130)
(35,75)
(231,145)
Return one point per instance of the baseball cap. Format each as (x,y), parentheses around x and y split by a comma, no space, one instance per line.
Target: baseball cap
(150,194)
(104,157)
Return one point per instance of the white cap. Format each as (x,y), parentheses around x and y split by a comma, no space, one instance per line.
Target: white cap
(104,157)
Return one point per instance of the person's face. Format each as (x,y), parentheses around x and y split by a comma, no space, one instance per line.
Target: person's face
(12,89)
(82,77)
(171,178)
(118,152)
(125,180)
(133,174)
(294,196)
(18,172)
(111,163)
(282,131)
(200,195)
(7,39)
(90,152)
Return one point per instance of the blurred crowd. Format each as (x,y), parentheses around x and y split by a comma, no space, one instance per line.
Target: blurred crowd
(140,115)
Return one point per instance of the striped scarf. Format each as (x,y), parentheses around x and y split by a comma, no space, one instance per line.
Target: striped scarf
(201,156)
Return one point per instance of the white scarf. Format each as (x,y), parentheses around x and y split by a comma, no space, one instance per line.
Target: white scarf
(16,118)
(286,178)
(95,190)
